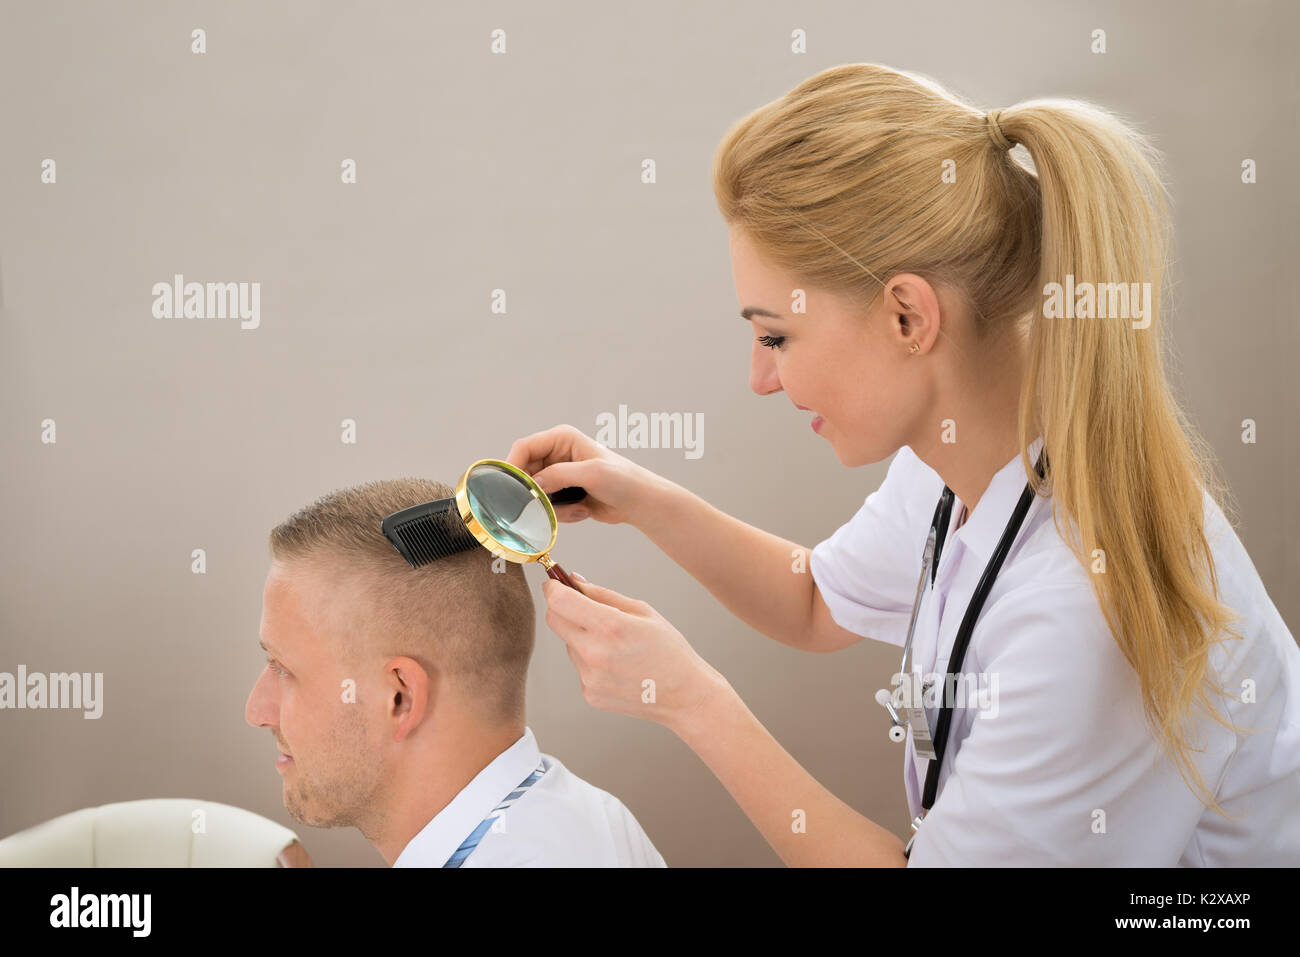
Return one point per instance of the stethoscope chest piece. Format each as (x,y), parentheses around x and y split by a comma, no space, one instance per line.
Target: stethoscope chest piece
(906,705)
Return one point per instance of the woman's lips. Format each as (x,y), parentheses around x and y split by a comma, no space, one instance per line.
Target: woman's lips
(817,419)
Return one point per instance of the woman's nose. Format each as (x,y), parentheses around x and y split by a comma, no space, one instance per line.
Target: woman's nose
(762,371)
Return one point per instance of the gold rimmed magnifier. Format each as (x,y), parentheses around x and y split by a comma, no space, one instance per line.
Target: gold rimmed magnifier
(498,506)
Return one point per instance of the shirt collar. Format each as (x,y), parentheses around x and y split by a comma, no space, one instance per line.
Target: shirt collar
(440,838)
(984,526)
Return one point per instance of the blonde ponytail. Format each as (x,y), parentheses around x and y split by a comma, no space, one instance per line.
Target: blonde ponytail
(1127,467)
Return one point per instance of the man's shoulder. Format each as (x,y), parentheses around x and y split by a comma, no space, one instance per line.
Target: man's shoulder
(563,820)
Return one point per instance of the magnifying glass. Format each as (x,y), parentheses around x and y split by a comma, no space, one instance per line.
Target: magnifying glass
(497,506)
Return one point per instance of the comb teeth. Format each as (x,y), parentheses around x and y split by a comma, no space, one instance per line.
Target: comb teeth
(425,533)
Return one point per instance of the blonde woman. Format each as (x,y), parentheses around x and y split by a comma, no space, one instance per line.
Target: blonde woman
(921,291)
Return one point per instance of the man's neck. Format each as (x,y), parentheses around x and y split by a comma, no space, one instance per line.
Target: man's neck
(452,757)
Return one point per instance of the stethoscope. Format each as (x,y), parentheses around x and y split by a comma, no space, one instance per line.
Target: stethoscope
(913,715)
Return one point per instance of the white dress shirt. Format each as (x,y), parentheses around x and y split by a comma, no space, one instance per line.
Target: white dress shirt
(560,821)
(1066,772)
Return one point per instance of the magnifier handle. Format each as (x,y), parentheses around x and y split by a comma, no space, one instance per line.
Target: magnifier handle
(561,576)
(567,495)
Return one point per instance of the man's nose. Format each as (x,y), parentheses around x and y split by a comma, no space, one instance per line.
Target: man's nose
(762,371)
(260,709)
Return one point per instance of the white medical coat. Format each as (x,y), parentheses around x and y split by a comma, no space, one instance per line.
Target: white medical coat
(1067,771)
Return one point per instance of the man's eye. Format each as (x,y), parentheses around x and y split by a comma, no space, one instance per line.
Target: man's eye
(278,670)
(772,342)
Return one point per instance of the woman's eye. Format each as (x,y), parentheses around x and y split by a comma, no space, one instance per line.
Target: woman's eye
(275,667)
(772,342)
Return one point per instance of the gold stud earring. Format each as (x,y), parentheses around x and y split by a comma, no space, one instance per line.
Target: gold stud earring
(914,348)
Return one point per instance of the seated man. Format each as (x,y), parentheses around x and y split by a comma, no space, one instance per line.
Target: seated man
(396,698)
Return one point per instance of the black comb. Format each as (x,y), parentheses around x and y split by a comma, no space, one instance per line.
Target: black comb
(424,533)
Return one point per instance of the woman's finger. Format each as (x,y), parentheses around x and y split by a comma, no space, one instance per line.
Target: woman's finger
(532,452)
(560,443)
(613,599)
(560,617)
(564,474)
(592,608)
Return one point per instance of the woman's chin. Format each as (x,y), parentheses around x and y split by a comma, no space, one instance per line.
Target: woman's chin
(846,456)
(854,457)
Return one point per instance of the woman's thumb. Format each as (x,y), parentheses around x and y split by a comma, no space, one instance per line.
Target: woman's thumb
(607,596)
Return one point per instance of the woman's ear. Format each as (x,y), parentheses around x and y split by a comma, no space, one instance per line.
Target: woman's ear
(914,312)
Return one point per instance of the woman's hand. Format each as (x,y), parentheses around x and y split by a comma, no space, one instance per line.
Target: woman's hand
(630,660)
(618,490)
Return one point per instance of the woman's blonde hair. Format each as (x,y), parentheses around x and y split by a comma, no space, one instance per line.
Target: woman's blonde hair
(863,172)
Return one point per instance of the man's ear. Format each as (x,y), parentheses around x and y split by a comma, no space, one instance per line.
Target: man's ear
(408,688)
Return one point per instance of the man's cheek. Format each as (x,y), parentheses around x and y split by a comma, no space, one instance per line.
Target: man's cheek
(301,721)
(290,723)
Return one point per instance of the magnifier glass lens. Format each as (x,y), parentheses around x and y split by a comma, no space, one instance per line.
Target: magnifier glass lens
(508,510)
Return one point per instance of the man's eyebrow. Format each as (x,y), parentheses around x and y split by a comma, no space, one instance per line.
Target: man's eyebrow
(750,311)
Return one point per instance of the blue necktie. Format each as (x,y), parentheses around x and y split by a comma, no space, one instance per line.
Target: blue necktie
(471,842)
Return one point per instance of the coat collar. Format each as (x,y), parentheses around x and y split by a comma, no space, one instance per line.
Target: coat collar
(984,526)
(440,838)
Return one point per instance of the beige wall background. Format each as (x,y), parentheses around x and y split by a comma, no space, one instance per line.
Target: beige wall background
(518,172)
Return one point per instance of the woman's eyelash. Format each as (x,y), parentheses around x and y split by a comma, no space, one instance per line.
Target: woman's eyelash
(278,669)
(772,342)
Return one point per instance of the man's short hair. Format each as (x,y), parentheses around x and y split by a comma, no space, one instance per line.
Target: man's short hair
(456,614)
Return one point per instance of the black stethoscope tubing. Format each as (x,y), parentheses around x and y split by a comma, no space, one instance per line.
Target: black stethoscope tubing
(939,524)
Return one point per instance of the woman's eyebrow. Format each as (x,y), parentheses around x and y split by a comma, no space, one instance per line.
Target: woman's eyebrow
(750,311)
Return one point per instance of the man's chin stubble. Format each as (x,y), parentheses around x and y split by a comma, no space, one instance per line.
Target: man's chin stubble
(368,821)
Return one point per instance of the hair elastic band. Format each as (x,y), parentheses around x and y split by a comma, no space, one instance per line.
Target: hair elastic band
(995,130)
